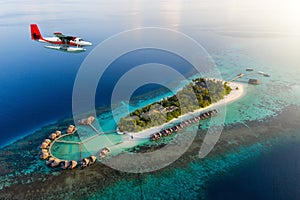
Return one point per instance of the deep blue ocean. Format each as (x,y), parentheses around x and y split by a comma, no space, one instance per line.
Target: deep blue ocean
(272,175)
(36,83)
(40,92)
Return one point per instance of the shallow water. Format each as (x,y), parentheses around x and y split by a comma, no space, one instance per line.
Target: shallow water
(36,87)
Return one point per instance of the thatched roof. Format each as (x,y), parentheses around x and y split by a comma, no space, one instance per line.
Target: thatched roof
(92,159)
(56,162)
(52,136)
(58,133)
(85,162)
(49,161)
(47,141)
(44,155)
(64,164)
(73,164)
(253,81)
(44,151)
(86,121)
(70,129)
(44,145)
(104,152)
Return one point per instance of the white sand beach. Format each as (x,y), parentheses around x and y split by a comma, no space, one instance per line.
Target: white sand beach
(234,95)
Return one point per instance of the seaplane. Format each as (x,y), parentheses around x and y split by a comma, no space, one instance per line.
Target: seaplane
(60,41)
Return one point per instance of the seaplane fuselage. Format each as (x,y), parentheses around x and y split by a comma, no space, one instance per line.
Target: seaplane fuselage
(74,42)
(59,41)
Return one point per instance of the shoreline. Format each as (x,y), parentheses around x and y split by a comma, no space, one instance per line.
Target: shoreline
(233,96)
(242,134)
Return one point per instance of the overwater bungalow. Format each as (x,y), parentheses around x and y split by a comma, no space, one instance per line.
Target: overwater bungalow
(176,128)
(254,81)
(86,121)
(44,151)
(44,145)
(49,161)
(65,164)
(47,141)
(153,137)
(52,136)
(71,129)
(92,159)
(85,162)
(214,112)
(104,152)
(72,164)
(58,133)
(56,162)
(44,155)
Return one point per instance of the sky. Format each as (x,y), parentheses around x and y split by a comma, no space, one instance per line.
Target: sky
(284,15)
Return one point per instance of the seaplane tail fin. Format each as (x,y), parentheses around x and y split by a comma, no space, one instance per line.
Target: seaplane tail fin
(35,32)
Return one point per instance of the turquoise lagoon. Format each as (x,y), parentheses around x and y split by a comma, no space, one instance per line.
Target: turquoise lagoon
(259,104)
(256,124)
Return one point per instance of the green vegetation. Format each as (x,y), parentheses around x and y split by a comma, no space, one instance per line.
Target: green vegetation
(198,94)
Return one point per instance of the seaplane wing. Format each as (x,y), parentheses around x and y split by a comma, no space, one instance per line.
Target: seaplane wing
(64,37)
(59,41)
(59,34)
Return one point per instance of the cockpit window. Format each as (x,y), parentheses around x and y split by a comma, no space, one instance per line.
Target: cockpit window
(80,39)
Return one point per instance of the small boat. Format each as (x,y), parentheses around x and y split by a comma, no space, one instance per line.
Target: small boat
(249,69)
(260,72)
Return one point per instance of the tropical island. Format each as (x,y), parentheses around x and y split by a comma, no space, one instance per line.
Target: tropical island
(65,148)
(200,93)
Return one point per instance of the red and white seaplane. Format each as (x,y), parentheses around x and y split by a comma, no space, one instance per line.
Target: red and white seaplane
(59,42)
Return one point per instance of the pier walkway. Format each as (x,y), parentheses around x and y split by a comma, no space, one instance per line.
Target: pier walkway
(237,77)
